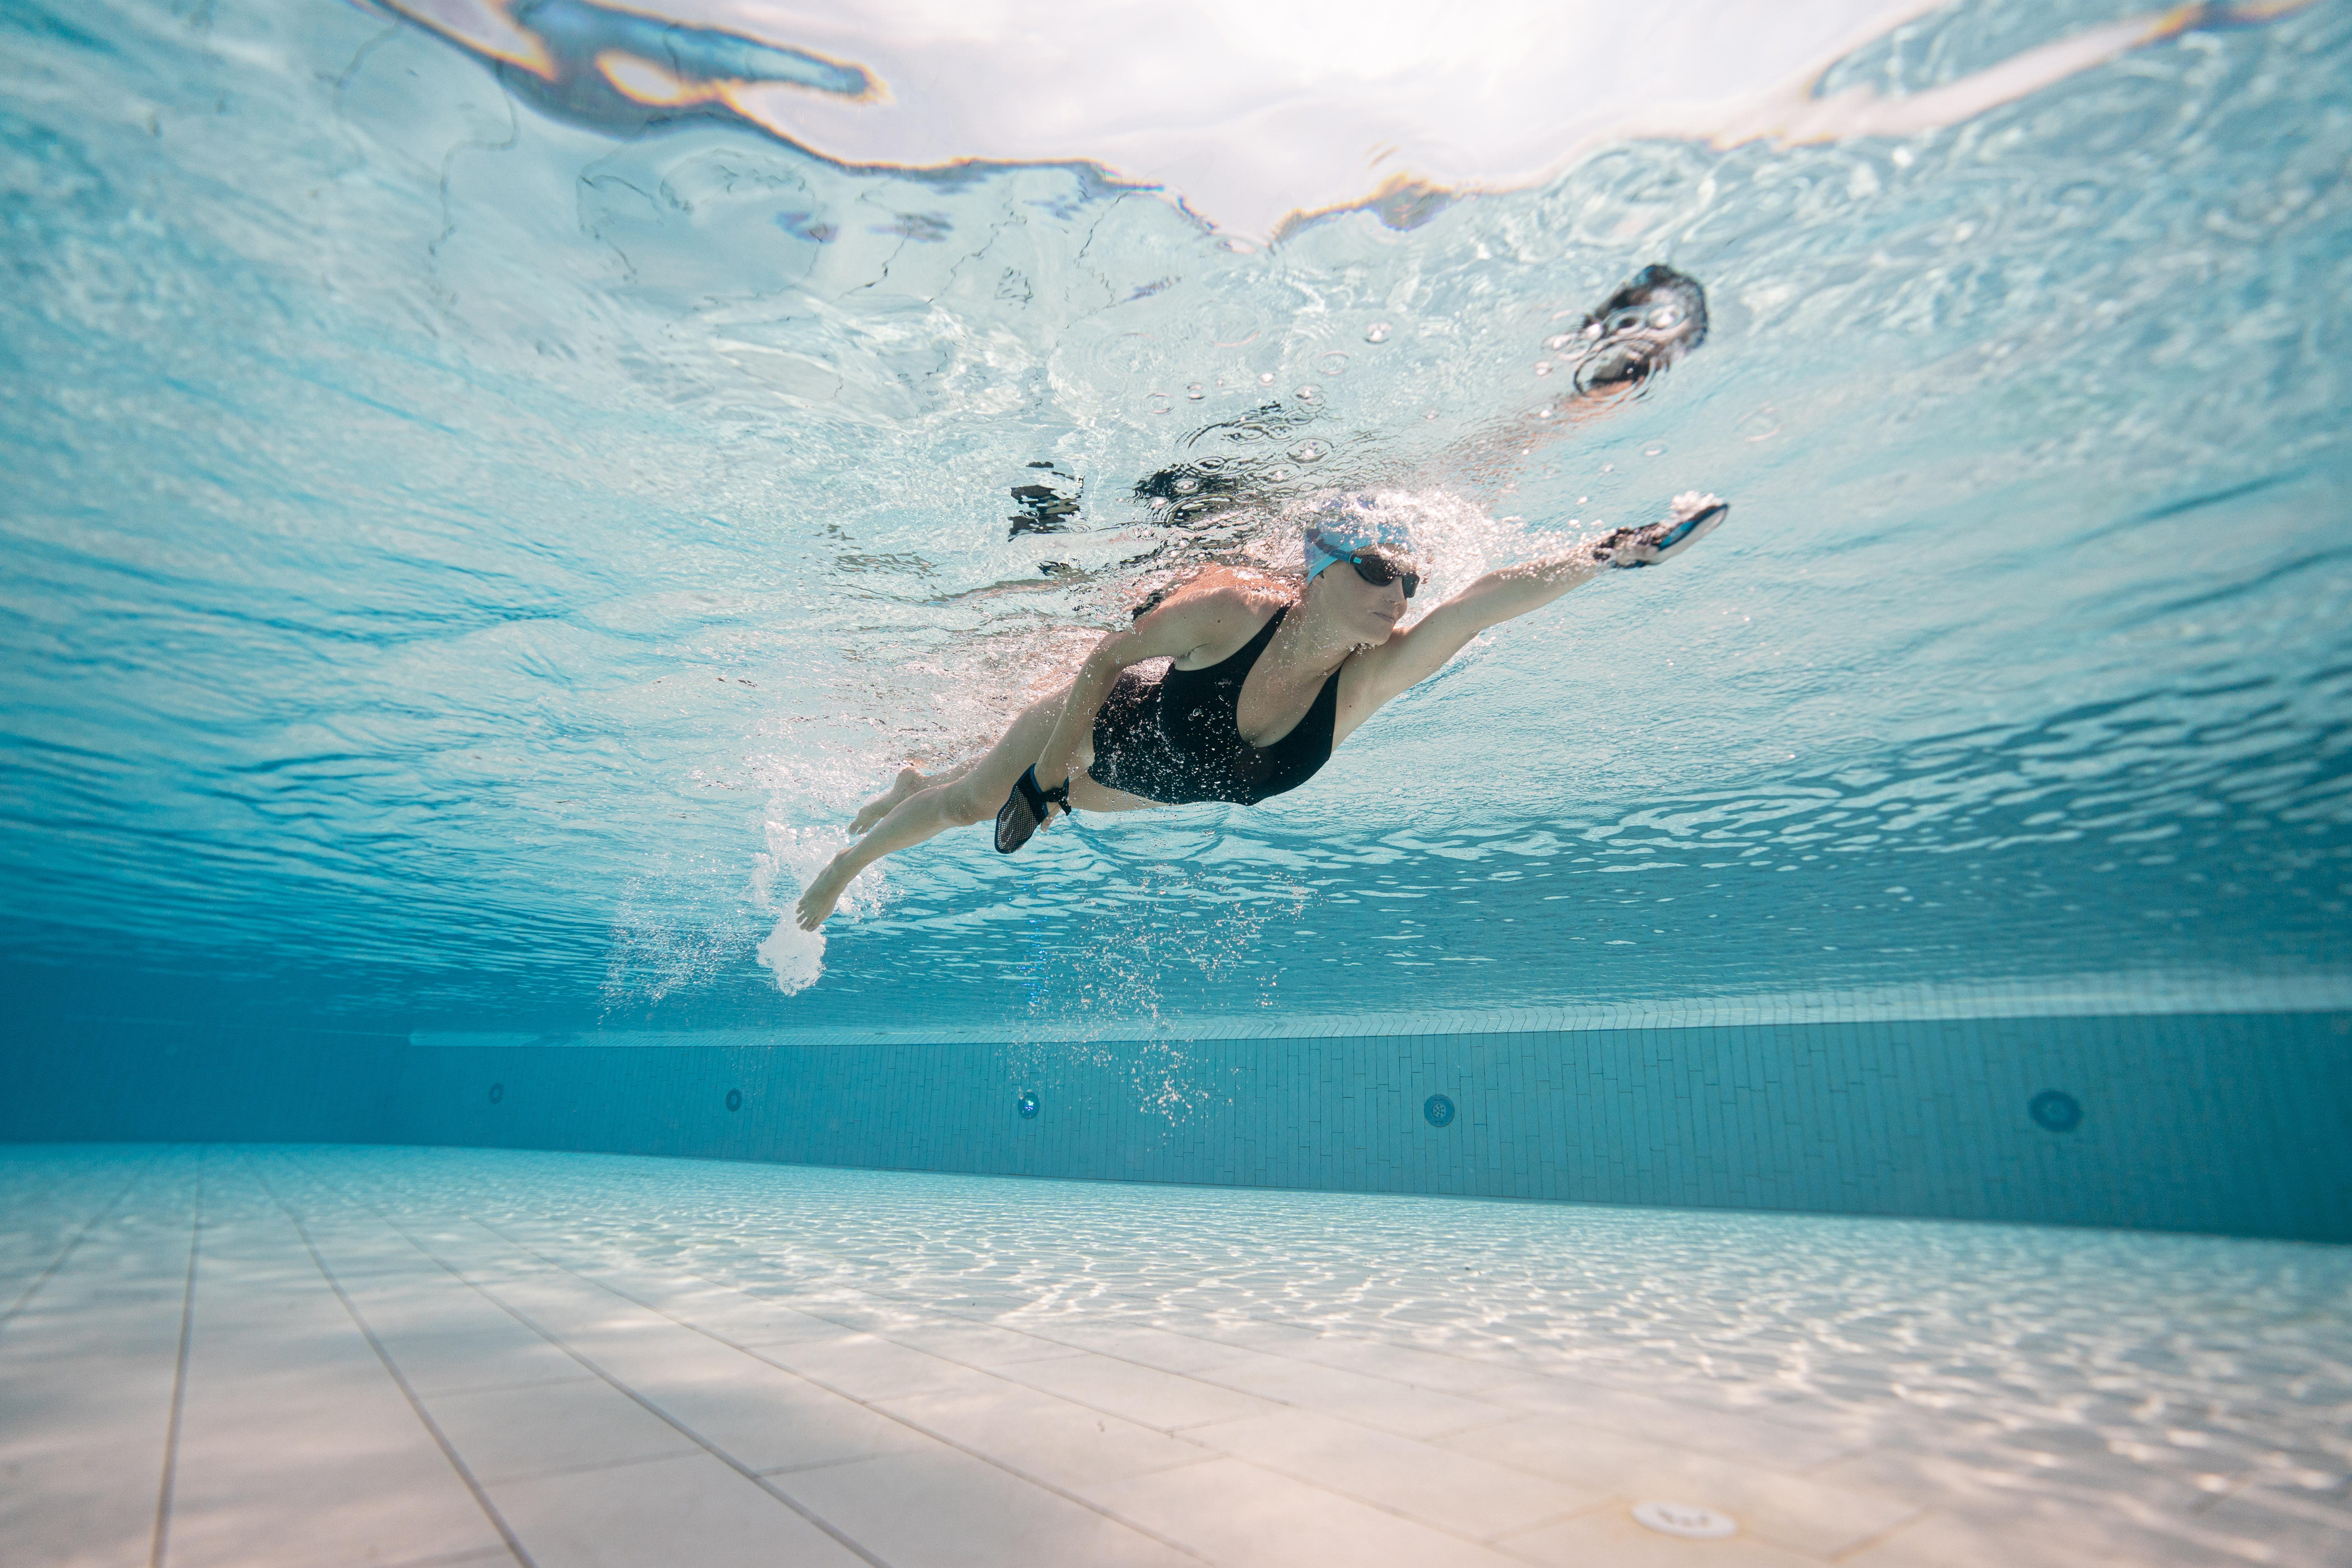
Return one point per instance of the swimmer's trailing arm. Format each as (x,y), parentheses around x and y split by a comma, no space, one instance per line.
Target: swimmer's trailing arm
(1172,629)
(1026,810)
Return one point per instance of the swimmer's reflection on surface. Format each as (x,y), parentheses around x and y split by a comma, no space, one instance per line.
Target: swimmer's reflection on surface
(1268,674)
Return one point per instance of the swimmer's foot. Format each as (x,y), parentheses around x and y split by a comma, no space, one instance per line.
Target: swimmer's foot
(1693,518)
(823,892)
(907,783)
(1656,318)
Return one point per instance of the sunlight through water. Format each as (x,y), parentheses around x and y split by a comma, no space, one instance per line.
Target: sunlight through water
(496,485)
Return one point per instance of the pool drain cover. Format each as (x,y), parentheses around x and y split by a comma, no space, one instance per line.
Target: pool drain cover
(1438,1108)
(1685,1519)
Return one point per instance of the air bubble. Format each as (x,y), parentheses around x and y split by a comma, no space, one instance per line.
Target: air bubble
(1311,451)
(1378,333)
(1655,450)
(1308,393)
(1266,378)
(1186,485)
(1161,402)
(1196,391)
(1333,363)
(1558,340)
(1543,367)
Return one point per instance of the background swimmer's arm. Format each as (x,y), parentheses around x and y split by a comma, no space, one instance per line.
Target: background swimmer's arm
(1180,626)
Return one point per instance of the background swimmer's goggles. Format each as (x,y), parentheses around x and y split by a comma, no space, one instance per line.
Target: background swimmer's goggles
(1380,571)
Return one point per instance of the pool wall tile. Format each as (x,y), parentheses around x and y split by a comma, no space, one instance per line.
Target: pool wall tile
(2236,1123)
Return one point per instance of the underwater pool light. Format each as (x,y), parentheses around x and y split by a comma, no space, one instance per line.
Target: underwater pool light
(1027,1106)
(2056,1110)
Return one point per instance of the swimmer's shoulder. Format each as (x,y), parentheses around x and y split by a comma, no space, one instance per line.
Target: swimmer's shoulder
(1217,612)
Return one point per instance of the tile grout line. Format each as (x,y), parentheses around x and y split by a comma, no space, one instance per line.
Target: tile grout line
(649,1406)
(440,1439)
(1182,1434)
(1504,1413)
(25,1299)
(893,1416)
(180,1376)
(1877,1538)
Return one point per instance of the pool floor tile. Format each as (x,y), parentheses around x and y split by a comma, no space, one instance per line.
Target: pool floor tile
(1451,1490)
(638,1412)
(1237,1513)
(939,1509)
(689,1512)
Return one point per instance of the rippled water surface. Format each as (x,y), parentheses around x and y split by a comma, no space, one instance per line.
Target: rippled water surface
(471,557)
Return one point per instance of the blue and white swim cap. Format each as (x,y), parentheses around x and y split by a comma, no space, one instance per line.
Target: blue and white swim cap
(1352,525)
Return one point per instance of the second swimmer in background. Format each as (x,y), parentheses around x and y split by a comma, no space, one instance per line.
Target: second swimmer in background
(1268,675)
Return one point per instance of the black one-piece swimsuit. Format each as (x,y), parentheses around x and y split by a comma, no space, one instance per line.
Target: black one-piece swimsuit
(1175,737)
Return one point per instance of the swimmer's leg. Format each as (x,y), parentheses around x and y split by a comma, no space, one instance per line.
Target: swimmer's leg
(970,795)
(909,781)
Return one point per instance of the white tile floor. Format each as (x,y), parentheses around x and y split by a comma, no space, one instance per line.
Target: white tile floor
(307,1356)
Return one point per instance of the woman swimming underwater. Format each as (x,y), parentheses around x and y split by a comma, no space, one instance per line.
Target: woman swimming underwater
(1269,674)
(1267,679)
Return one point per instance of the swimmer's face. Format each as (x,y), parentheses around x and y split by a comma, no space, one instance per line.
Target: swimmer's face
(1370,611)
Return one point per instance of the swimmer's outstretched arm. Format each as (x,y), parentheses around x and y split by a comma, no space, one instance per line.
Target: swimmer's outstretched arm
(1411,656)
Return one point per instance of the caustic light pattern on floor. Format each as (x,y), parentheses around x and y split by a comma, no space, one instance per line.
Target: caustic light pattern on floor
(302,1355)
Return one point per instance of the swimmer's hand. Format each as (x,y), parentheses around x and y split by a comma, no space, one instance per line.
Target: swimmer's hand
(1694,515)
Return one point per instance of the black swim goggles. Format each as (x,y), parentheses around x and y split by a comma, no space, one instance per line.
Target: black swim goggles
(1380,571)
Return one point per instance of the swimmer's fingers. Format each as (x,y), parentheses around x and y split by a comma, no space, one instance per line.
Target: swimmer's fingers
(1624,547)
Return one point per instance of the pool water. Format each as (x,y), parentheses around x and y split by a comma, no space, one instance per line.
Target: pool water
(469,555)
(492,486)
